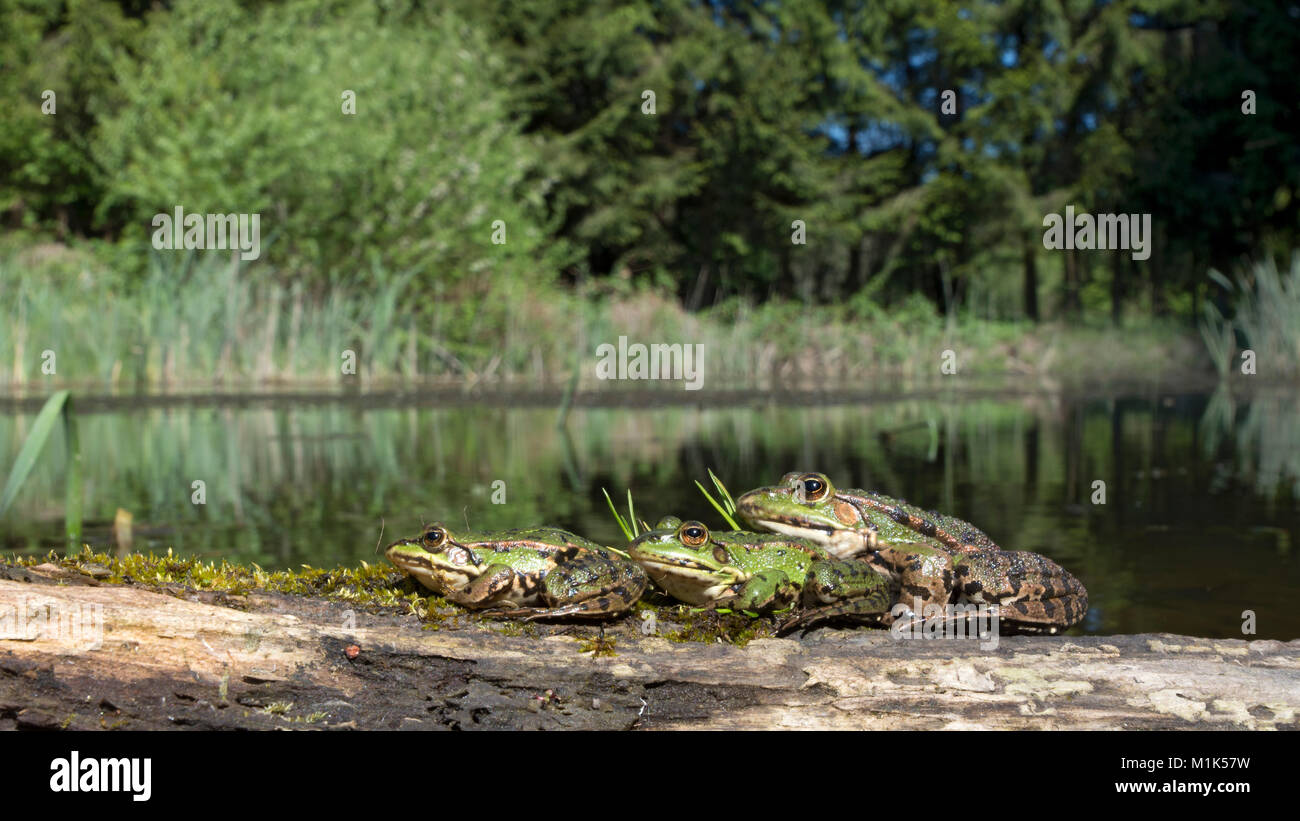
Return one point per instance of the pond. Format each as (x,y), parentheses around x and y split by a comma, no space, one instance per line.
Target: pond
(1199,522)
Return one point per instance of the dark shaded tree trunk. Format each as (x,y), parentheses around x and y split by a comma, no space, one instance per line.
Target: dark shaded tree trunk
(1116,288)
(1070,306)
(855,266)
(1156,268)
(1031,277)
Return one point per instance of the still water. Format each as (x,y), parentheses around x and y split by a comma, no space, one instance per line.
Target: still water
(1199,523)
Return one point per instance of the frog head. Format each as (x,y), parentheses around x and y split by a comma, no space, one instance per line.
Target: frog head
(436,559)
(685,561)
(805,505)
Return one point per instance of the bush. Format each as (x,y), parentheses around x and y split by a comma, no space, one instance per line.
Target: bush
(230,110)
(1266,319)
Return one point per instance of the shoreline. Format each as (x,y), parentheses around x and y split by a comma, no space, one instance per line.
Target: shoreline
(452,395)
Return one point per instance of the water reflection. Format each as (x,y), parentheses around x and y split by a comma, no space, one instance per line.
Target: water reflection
(1198,524)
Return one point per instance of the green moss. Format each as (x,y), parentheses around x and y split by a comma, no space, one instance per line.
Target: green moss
(517,628)
(371,586)
(599,645)
(712,626)
(365,586)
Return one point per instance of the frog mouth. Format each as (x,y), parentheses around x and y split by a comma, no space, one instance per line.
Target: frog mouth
(677,567)
(840,542)
(802,529)
(410,564)
(689,581)
(432,573)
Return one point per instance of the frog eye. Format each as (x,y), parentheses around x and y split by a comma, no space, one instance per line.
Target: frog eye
(693,534)
(434,536)
(814,487)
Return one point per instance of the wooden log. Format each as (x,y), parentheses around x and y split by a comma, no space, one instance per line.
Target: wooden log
(273,661)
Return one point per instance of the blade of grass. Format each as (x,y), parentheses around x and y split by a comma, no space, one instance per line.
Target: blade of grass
(72,501)
(31,448)
(621,524)
(722,489)
(718,507)
(631,514)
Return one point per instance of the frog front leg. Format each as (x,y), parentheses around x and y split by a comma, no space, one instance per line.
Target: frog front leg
(1031,590)
(841,588)
(492,587)
(766,590)
(587,586)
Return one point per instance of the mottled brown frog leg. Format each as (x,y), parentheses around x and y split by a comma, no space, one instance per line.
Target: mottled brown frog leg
(480,592)
(1030,589)
(923,573)
(588,586)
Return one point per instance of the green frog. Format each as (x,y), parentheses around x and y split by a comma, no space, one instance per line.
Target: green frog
(929,557)
(539,572)
(760,572)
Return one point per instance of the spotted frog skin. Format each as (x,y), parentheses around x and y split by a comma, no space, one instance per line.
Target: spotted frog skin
(759,572)
(540,572)
(929,557)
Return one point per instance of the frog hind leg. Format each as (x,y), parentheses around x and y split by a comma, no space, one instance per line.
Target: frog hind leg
(1033,592)
(924,573)
(841,588)
(589,586)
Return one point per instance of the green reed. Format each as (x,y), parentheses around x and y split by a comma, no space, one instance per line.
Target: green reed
(57,408)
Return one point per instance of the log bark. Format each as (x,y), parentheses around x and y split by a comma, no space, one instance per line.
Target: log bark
(270,661)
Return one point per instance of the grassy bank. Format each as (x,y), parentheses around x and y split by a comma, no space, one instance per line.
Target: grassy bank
(205,321)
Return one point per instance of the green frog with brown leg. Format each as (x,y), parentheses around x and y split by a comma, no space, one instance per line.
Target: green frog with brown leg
(539,572)
(929,557)
(759,572)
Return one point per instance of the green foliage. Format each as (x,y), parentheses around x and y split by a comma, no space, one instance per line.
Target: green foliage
(47,175)
(631,527)
(412,182)
(1267,317)
(377,226)
(727,507)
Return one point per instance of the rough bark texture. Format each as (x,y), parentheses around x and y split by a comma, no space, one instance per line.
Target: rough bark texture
(205,660)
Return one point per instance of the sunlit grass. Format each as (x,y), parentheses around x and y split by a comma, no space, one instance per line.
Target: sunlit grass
(727,507)
(630,526)
(1266,315)
(205,318)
